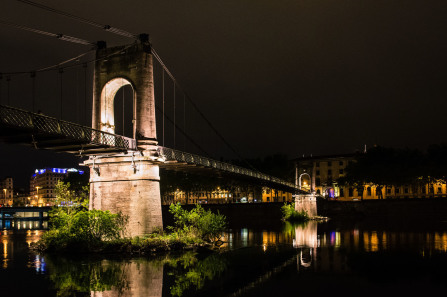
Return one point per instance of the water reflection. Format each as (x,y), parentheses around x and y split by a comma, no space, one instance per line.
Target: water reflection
(133,277)
(23,224)
(13,241)
(250,263)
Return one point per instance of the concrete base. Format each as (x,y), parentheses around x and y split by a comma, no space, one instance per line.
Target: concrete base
(308,203)
(130,185)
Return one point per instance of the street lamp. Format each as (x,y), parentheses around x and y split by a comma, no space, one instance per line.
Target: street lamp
(37,195)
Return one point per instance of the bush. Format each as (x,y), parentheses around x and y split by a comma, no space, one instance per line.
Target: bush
(290,214)
(198,222)
(81,229)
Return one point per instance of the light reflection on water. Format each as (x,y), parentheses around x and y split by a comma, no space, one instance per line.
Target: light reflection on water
(250,263)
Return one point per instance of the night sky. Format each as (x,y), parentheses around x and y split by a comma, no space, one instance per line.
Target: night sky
(292,77)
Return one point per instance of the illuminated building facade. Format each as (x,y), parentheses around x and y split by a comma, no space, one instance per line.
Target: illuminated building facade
(7,192)
(272,195)
(43,183)
(321,173)
(220,196)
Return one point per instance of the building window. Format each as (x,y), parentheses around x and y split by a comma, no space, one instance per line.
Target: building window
(329,172)
(406,190)
(317,164)
(388,191)
(317,172)
(351,192)
(329,163)
(340,163)
(368,191)
(439,190)
(342,194)
(317,182)
(396,190)
(340,171)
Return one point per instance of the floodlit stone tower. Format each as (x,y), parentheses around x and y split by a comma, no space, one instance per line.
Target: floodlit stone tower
(127,183)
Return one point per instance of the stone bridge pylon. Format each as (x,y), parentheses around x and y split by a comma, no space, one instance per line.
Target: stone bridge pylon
(127,183)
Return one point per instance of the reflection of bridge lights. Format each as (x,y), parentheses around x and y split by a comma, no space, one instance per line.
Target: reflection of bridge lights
(332,237)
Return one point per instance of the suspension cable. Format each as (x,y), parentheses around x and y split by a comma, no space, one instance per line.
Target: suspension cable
(107,28)
(163,96)
(122,33)
(119,32)
(77,97)
(130,35)
(49,34)
(174,116)
(154,53)
(33,94)
(8,87)
(184,134)
(1,85)
(61,71)
(122,90)
(84,65)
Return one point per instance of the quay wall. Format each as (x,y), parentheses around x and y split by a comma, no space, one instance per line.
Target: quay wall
(388,211)
(433,209)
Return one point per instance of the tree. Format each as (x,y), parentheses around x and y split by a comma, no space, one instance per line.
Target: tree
(385,167)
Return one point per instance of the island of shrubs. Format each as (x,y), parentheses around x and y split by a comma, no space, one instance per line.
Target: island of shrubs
(291,215)
(74,228)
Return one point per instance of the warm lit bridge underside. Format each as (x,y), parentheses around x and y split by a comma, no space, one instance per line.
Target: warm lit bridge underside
(43,132)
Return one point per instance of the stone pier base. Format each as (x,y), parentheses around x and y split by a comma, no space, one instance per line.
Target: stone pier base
(306,202)
(130,186)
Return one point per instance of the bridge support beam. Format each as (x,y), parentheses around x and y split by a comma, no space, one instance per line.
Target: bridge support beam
(130,185)
(307,203)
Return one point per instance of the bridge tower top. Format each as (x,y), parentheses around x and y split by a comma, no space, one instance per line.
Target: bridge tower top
(115,68)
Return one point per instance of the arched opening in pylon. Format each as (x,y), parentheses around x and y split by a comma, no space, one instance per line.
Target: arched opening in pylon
(118,107)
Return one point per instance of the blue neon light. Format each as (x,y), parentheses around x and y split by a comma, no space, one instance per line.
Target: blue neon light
(58,170)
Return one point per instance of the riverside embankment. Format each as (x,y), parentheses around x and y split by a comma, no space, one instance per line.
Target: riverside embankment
(398,211)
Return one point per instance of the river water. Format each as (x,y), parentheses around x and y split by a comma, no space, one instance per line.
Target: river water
(318,259)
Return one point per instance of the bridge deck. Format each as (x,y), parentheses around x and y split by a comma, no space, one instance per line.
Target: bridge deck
(178,160)
(44,132)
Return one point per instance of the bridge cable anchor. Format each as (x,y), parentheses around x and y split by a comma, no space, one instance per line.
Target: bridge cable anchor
(95,169)
(133,165)
(34,142)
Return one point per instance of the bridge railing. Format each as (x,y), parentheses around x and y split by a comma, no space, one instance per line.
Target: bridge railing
(39,124)
(174,155)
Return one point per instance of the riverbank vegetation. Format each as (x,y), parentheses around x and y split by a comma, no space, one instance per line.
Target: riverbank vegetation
(387,167)
(74,228)
(291,215)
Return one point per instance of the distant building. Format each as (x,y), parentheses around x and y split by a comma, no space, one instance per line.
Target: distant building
(249,194)
(272,195)
(7,191)
(320,174)
(43,183)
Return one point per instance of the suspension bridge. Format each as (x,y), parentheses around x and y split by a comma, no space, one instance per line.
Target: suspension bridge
(124,170)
